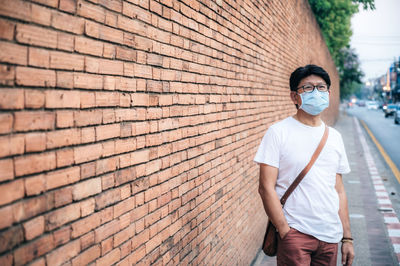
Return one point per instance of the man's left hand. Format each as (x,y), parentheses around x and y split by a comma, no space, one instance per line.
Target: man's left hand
(347,253)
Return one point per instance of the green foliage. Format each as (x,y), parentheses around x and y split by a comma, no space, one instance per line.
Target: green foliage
(334,19)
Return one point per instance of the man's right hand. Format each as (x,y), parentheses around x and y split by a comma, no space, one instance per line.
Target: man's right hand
(283,232)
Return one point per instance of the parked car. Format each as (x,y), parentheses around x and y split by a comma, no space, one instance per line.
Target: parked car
(372,105)
(397,115)
(389,109)
(361,103)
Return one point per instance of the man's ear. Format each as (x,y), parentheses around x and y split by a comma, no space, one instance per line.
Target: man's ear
(294,97)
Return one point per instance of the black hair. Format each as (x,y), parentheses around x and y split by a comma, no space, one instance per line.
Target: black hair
(308,70)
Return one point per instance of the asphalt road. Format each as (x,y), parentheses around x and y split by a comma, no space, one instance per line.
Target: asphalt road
(384,130)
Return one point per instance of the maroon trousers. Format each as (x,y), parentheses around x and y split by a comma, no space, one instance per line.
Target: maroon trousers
(297,248)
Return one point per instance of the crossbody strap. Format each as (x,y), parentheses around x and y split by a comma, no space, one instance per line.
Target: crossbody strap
(307,168)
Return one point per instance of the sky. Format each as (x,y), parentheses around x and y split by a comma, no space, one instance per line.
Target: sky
(376,37)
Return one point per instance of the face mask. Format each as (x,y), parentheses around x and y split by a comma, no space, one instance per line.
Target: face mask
(315,102)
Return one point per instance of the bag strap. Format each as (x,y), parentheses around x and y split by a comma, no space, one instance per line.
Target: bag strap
(307,168)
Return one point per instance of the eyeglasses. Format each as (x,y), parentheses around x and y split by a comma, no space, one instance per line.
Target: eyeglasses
(310,88)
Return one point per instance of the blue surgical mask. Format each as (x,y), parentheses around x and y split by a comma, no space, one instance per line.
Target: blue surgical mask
(314,102)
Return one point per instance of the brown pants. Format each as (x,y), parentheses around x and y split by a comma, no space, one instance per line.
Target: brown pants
(297,248)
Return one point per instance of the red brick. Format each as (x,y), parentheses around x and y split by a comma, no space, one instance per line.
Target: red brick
(39,57)
(68,6)
(35,142)
(51,3)
(13,53)
(35,77)
(12,144)
(62,177)
(106,230)
(88,10)
(85,225)
(7,75)
(62,196)
(27,120)
(15,9)
(65,79)
(104,99)
(107,198)
(86,188)
(62,99)
(6,260)
(7,216)
(65,157)
(36,248)
(124,206)
(35,185)
(87,256)
(41,15)
(124,235)
(88,46)
(34,99)
(11,191)
(6,170)
(87,206)
(7,29)
(64,119)
(34,163)
(111,19)
(67,22)
(64,253)
(88,135)
(86,118)
(62,235)
(111,34)
(34,228)
(87,240)
(61,60)
(11,237)
(11,99)
(87,153)
(88,99)
(62,216)
(34,35)
(64,137)
(65,41)
(107,131)
(109,259)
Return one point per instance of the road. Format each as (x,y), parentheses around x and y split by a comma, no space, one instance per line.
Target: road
(384,129)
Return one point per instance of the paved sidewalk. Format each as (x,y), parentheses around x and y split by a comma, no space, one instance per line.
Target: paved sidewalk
(368,201)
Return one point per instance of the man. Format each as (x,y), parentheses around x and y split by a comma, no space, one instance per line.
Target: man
(315,217)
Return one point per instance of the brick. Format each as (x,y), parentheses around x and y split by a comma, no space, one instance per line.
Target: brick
(66,61)
(88,99)
(85,45)
(64,253)
(7,216)
(89,10)
(39,57)
(64,119)
(85,225)
(87,206)
(65,79)
(87,153)
(67,6)
(35,77)
(7,75)
(51,3)
(6,260)
(62,99)
(33,249)
(106,230)
(62,177)
(65,157)
(34,163)
(88,135)
(6,170)
(13,53)
(7,29)
(12,144)
(67,22)
(86,188)
(125,54)
(87,256)
(35,142)
(62,216)
(64,137)
(109,259)
(16,9)
(62,196)
(86,118)
(34,99)
(34,228)
(62,235)
(10,238)
(11,99)
(41,15)
(107,131)
(87,240)
(34,35)
(65,41)
(11,191)
(34,185)
(104,99)
(107,198)
(143,71)
(30,120)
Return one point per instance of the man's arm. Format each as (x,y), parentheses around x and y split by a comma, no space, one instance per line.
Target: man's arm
(272,205)
(347,247)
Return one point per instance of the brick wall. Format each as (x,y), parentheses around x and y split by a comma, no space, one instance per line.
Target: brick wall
(128,128)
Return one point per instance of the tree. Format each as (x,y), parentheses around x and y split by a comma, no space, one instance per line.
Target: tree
(334,19)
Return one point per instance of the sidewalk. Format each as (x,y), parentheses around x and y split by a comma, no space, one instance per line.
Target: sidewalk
(371,214)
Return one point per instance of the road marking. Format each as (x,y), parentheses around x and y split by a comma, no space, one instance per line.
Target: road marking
(389,161)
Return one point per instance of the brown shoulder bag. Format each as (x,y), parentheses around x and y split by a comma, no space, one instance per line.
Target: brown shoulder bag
(270,243)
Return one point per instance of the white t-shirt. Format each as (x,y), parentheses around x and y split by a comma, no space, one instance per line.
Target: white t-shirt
(313,206)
